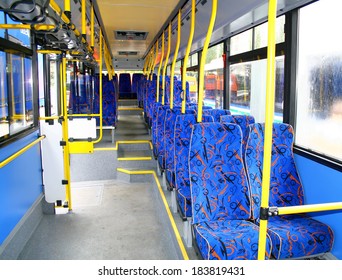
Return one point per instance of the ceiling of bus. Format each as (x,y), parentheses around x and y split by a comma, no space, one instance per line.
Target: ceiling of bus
(134,15)
(151,16)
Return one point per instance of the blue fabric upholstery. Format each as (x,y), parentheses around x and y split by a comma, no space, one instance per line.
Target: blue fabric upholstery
(243,121)
(220,194)
(169,135)
(109,101)
(217,113)
(225,239)
(292,236)
(183,130)
(154,127)
(125,85)
(160,135)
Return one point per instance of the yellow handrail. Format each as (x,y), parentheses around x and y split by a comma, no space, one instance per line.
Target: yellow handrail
(187,52)
(21,151)
(83,17)
(66,149)
(92,24)
(172,81)
(28,26)
(67,8)
(154,60)
(100,89)
(49,51)
(269,111)
(166,60)
(309,208)
(203,59)
(160,66)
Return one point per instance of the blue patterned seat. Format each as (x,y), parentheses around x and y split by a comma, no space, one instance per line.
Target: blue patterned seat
(169,135)
(154,127)
(243,121)
(293,236)
(160,148)
(217,113)
(220,194)
(125,85)
(183,129)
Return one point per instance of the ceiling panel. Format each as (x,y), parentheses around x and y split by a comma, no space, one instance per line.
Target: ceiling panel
(134,15)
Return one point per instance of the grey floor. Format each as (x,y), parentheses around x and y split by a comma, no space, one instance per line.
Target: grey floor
(111,219)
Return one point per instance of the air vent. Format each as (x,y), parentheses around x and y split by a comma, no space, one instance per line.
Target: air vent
(127,53)
(130,35)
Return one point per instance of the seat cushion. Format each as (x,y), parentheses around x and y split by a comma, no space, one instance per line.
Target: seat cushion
(296,236)
(229,240)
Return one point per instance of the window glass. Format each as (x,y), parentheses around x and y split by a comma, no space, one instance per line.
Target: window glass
(178,71)
(41,85)
(16,91)
(261,33)
(192,79)
(248,89)
(4,127)
(19,36)
(53,87)
(213,77)
(242,42)
(193,60)
(2,21)
(28,91)
(319,94)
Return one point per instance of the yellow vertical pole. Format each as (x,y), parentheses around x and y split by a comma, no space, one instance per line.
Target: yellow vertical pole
(166,60)
(145,65)
(92,24)
(154,59)
(100,89)
(187,52)
(67,10)
(270,88)
(160,66)
(203,59)
(150,64)
(172,81)
(83,16)
(66,151)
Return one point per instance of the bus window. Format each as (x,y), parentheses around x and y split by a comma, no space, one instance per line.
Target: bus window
(247,89)
(213,77)
(2,21)
(192,77)
(4,128)
(19,36)
(319,94)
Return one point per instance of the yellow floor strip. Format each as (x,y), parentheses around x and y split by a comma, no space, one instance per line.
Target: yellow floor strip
(173,224)
(124,142)
(134,158)
(129,109)
(106,149)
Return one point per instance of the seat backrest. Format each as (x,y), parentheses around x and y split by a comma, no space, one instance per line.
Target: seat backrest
(183,130)
(169,136)
(285,186)
(219,187)
(125,85)
(161,114)
(243,121)
(217,113)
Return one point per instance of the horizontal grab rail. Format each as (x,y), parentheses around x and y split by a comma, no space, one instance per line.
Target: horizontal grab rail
(21,151)
(309,208)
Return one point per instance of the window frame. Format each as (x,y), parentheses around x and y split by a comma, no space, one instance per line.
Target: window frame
(290,90)
(7,47)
